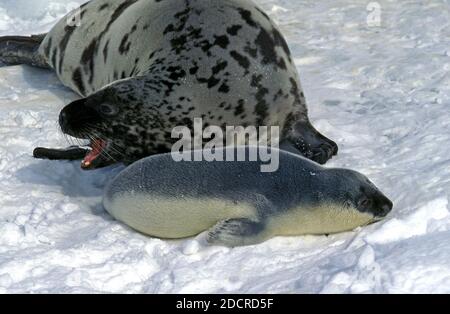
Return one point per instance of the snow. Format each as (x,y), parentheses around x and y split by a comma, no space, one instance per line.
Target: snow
(382,92)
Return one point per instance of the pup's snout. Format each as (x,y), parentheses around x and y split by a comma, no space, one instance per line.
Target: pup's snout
(385,206)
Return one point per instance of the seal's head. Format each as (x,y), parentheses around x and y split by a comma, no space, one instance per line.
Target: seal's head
(356,191)
(116,124)
(331,200)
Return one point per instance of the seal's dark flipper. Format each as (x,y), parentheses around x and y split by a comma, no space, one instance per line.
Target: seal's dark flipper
(237,232)
(310,143)
(22,50)
(71,153)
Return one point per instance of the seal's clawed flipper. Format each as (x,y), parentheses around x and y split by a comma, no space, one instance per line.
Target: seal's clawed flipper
(305,138)
(22,50)
(70,153)
(75,153)
(236,232)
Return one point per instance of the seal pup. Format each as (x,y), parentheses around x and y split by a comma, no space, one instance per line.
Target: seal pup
(237,203)
(144,67)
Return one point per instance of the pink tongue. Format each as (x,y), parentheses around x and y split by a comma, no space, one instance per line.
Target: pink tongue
(97,148)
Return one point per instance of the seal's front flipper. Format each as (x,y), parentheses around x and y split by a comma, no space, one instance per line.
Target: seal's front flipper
(75,153)
(71,153)
(22,50)
(304,138)
(237,232)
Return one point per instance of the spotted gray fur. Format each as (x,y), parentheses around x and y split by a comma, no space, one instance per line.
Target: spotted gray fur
(146,66)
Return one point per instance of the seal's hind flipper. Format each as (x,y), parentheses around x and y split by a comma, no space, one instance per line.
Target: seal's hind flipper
(237,232)
(22,50)
(71,153)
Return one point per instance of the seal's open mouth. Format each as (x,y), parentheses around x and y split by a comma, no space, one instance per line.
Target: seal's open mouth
(93,157)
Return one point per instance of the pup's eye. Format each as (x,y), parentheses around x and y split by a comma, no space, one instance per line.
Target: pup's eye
(365,202)
(108,109)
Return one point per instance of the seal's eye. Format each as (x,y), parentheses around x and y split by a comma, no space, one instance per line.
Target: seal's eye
(108,109)
(365,203)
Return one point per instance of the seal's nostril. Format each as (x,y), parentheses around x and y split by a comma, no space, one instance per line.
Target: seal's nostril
(386,209)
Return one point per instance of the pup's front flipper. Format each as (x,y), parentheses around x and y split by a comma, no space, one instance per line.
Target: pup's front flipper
(237,232)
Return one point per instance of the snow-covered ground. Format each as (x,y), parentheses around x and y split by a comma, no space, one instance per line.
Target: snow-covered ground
(383,93)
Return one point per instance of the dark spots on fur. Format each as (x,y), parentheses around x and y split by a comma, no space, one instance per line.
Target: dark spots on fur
(176,73)
(68,32)
(295,91)
(183,14)
(222,41)
(280,41)
(54,55)
(105,51)
(125,45)
(88,53)
(219,67)
(234,30)
(77,79)
(87,59)
(118,12)
(278,95)
(178,43)
(48,47)
(103,7)
(224,88)
(263,13)
(180,38)
(251,51)
(266,46)
(188,123)
(247,17)
(169,86)
(219,41)
(169,29)
(211,82)
(193,70)
(240,109)
(282,64)
(262,106)
(242,60)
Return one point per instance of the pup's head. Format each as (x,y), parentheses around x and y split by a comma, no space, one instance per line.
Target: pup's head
(356,191)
